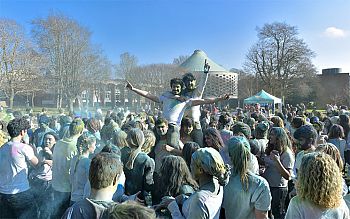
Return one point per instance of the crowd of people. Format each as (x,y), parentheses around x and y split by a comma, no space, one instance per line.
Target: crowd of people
(186,162)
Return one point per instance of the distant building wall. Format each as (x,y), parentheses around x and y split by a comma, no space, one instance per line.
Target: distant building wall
(334,87)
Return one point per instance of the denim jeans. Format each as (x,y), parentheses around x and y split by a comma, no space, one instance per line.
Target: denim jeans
(60,204)
(279,195)
(20,205)
(43,194)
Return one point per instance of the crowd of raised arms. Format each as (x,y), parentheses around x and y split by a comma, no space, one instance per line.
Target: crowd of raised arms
(188,161)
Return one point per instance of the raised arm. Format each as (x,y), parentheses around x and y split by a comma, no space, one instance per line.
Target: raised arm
(203,80)
(201,86)
(143,93)
(210,100)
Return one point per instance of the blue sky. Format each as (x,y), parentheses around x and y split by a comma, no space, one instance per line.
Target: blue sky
(159,31)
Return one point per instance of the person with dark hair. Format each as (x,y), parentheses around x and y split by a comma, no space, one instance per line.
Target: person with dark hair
(327,125)
(3,133)
(174,179)
(104,175)
(40,177)
(16,197)
(186,130)
(103,131)
(187,151)
(158,152)
(38,136)
(296,123)
(205,119)
(111,148)
(108,129)
(65,121)
(93,126)
(242,129)
(246,195)
(65,150)
(279,164)
(209,170)
(336,137)
(193,90)
(138,166)
(212,139)
(305,137)
(261,140)
(174,106)
(344,121)
(225,123)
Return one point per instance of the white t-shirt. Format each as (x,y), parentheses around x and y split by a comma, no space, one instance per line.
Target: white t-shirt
(241,204)
(201,204)
(304,209)
(44,171)
(173,110)
(14,168)
(272,174)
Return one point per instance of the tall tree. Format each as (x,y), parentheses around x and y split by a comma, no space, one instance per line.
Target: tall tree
(279,57)
(125,68)
(20,65)
(179,60)
(72,59)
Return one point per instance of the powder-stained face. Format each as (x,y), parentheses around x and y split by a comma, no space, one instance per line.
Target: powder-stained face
(49,141)
(162,129)
(191,85)
(188,129)
(302,143)
(176,89)
(208,140)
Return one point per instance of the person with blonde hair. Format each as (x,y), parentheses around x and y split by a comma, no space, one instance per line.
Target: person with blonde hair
(130,210)
(246,195)
(150,141)
(209,170)
(277,121)
(138,166)
(333,151)
(319,190)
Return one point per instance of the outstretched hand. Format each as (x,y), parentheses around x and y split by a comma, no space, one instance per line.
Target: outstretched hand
(129,85)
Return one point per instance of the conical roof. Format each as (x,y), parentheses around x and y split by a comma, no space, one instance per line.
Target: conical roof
(195,63)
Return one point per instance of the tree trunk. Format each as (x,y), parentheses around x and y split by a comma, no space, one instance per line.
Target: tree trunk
(71,102)
(12,96)
(33,96)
